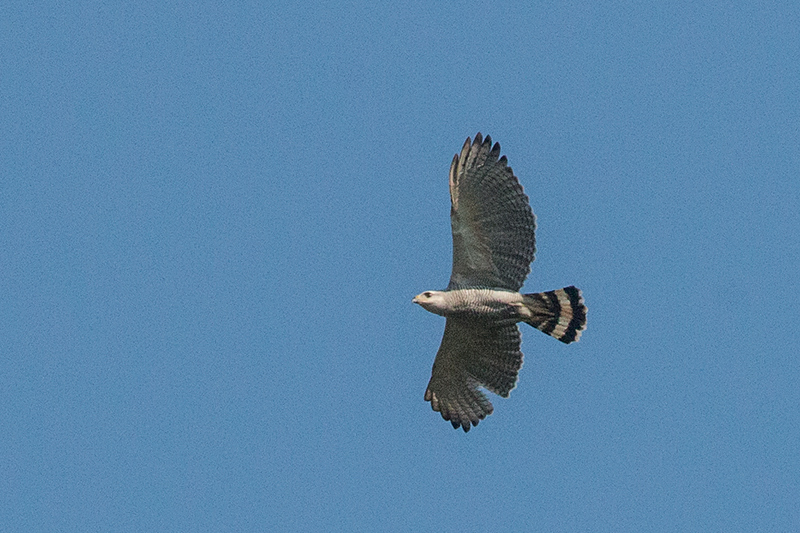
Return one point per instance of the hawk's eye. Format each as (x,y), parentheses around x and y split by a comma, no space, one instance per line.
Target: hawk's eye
(427,295)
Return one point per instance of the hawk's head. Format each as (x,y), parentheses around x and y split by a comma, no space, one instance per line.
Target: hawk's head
(433,301)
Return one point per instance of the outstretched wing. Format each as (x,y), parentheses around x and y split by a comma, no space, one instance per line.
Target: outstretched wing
(493,225)
(473,354)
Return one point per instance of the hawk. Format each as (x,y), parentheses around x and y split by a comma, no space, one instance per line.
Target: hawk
(493,247)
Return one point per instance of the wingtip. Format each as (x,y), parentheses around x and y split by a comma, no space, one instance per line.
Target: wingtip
(486,144)
(466,145)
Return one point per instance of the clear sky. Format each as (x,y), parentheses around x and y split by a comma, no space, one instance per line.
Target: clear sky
(213,218)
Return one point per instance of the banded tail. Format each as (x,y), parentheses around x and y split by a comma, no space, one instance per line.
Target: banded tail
(560,313)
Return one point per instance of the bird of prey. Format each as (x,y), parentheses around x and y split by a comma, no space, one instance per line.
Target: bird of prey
(493,247)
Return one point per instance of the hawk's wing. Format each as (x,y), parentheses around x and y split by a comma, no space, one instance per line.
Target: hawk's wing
(493,225)
(473,354)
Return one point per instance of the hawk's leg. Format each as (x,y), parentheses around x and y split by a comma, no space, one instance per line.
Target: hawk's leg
(513,313)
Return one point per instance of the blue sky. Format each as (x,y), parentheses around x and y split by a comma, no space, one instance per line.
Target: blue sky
(213,218)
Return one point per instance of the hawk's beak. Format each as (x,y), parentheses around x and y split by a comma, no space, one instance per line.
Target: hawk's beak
(414,300)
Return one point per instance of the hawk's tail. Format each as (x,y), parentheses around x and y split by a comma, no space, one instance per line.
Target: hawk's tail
(560,313)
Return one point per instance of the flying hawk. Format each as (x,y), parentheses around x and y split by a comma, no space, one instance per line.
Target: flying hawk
(493,246)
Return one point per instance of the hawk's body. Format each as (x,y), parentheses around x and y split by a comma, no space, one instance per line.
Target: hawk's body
(493,246)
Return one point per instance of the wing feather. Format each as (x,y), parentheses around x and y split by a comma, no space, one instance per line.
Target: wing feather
(473,354)
(492,222)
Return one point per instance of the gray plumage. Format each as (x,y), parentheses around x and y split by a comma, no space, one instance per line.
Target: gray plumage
(493,245)
(492,222)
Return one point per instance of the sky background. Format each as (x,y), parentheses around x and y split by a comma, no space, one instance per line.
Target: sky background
(213,218)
